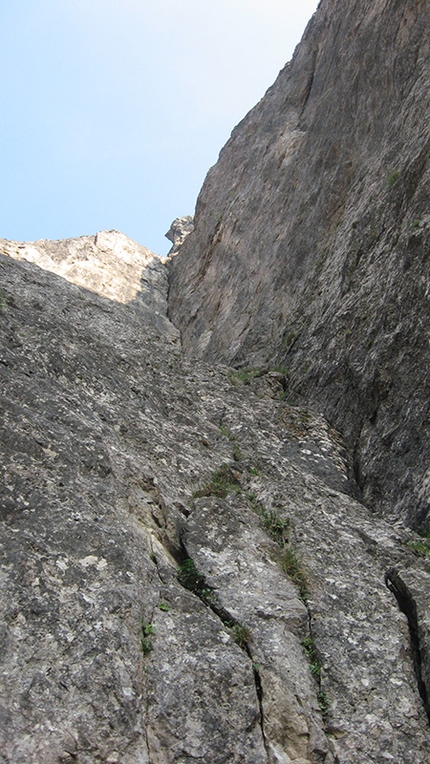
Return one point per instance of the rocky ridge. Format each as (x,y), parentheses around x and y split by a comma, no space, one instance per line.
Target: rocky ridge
(185,575)
(311,242)
(109,264)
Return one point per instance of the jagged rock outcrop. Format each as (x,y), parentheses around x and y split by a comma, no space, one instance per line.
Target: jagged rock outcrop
(178,232)
(311,242)
(285,639)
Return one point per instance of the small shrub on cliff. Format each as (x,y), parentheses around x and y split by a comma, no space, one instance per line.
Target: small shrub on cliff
(310,651)
(244,376)
(323,702)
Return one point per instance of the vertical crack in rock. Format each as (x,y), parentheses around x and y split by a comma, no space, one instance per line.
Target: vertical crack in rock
(314,658)
(190,578)
(259,691)
(408,606)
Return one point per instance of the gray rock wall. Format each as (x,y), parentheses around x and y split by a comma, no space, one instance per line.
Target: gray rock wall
(311,242)
(121,459)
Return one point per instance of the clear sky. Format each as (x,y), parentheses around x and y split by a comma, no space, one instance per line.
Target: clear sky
(112,111)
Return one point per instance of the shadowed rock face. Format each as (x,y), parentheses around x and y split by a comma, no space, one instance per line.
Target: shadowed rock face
(121,459)
(311,242)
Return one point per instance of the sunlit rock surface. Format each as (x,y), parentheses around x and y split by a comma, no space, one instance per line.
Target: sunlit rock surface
(109,263)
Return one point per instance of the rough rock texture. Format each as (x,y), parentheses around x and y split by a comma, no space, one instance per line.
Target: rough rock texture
(109,263)
(312,237)
(120,460)
(186,573)
(178,232)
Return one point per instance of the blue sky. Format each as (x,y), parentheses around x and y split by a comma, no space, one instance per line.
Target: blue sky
(112,111)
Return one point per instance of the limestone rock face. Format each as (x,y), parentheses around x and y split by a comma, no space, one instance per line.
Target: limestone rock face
(312,237)
(178,232)
(184,573)
(109,263)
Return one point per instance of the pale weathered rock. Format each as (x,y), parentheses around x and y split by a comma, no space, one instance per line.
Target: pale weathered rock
(109,263)
(311,242)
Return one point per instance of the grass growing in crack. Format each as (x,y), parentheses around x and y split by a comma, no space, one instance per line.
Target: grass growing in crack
(145,642)
(191,578)
(420,547)
(297,421)
(244,376)
(292,567)
(237,453)
(277,527)
(309,648)
(222,482)
(241,635)
(310,651)
(225,431)
(322,702)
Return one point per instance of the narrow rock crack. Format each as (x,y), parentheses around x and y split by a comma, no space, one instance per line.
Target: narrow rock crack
(408,606)
(204,592)
(259,691)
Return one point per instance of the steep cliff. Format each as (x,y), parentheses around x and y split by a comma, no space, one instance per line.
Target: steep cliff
(184,575)
(186,572)
(311,242)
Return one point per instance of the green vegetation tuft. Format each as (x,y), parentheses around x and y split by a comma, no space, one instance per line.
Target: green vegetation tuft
(420,547)
(244,376)
(237,453)
(277,527)
(241,635)
(225,431)
(323,702)
(222,482)
(145,642)
(310,651)
(191,578)
(392,178)
(292,567)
